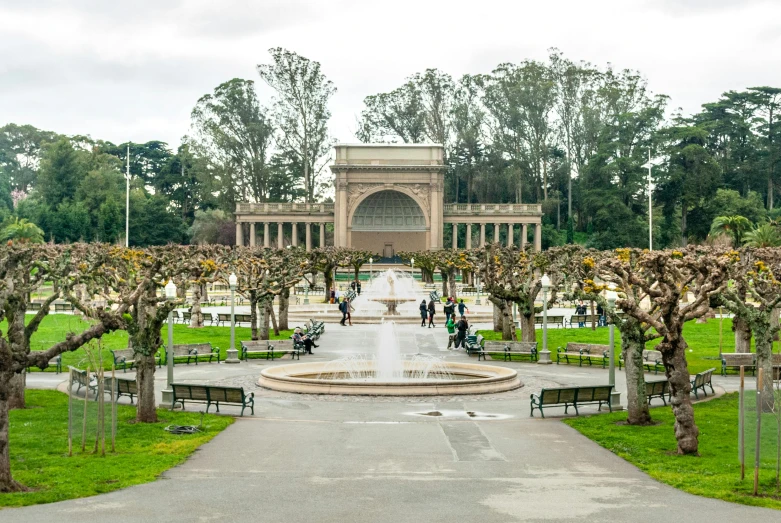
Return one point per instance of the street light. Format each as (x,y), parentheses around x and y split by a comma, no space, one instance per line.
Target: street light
(232,352)
(477,288)
(611,296)
(412,271)
(650,164)
(371,275)
(545,353)
(170,295)
(127,199)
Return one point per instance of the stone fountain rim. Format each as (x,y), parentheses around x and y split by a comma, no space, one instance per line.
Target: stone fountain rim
(491,379)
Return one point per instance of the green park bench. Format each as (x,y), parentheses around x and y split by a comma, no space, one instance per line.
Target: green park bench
(700,380)
(508,348)
(572,397)
(63,307)
(474,344)
(585,319)
(583,352)
(82,379)
(126,358)
(124,387)
(552,320)
(34,306)
(212,395)
(56,362)
(657,389)
(193,352)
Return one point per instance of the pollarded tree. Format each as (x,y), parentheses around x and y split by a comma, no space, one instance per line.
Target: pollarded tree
(758,272)
(326,260)
(666,277)
(202,269)
(356,258)
(426,261)
(614,267)
(450,261)
(24,269)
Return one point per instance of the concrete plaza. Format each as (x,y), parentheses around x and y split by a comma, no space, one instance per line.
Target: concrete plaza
(339,459)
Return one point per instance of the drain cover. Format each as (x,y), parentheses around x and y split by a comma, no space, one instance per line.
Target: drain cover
(460,414)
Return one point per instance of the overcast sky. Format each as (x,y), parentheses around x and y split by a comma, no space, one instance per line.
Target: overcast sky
(120,70)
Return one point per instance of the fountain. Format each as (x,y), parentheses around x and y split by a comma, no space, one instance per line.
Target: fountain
(389,373)
(387,295)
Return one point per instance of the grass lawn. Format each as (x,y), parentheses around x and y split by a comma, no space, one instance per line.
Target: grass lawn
(715,473)
(54,327)
(703,340)
(39,446)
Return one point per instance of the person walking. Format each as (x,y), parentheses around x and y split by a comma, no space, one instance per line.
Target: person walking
(423,313)
(451,331)
(352,285)
(359,288)
(333,295)
(448,308)
(431,311)
(343,309)
(461,307)
(463,328)
(349,307)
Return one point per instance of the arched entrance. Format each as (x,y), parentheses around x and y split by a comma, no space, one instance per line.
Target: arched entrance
(388,221)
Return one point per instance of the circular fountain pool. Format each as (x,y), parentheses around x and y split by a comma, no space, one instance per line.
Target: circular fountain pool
(339,377)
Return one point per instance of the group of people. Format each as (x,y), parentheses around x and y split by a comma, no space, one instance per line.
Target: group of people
(457,329)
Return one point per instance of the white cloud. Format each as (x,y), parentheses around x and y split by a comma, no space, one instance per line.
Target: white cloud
(134,70)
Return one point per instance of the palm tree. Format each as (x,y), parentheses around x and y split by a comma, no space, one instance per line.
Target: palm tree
(735,226)
(764,235)
(21,231)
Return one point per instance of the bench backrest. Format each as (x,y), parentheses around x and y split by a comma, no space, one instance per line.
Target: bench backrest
(227,394)
(739,358)
(128,354)
(207,316)
(521,346)
(281,344)
(575,347)
(548,396)
(124,386)
(657,387)
(192,392)
(652,355)
(63,307)
(551,319)
(701,378)
(223,317)
(80,376)
(254,344)
(243,318)
(600,393)
(184,350)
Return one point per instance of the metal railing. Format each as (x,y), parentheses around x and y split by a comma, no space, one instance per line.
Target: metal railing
(270,208)
(492,208)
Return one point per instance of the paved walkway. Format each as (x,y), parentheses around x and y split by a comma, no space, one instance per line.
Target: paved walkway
(336,459)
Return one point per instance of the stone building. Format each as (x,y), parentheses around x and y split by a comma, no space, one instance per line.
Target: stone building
(388,198)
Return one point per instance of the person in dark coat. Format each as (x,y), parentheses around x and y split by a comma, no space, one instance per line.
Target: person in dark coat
(431,311)
(359,288)
(462,307)
(423,313)
(463,328)
(343,308)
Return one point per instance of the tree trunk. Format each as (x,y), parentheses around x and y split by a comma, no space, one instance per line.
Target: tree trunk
(497,313)
(527,328)
(632,345)
(684,240)
(196,316)
(16,390)
(145,381)
(284,302)
(273,318)
(264,320)
(253,314)
(451,279)
(508,327)
(445,293)
(329,283)
(593,317)
(204,292)
(7,483)
(763,343)
(742,334)
(677,371)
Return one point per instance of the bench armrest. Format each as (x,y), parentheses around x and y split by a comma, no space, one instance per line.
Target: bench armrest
(561,349)
(585,351)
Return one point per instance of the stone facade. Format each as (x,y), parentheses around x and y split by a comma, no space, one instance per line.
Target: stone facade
(388,198)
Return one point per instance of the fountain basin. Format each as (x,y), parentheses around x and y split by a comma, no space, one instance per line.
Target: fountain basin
(328,378)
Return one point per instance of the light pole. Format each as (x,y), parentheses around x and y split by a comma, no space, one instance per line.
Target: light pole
(170,295)
(650,207)
(477,287)
(615,396)
(232,352)
(127,199)
(412,270)
(371,272)
(545,353)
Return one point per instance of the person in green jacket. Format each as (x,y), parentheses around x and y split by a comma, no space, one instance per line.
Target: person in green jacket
(451,330)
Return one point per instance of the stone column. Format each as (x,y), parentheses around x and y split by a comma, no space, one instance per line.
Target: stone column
(340,212)
(239,234)
(468,235)
(266,239)
(496,233)
(455,236)
(538,237)
(482,235)
(308,236)
(322,235)
(252,239)
(524,236)
(280,238)
(295,234)
(509,234)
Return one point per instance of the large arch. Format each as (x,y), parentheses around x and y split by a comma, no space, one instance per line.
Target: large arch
(386,220)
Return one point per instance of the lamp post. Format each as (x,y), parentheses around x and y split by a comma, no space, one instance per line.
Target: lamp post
(371,272)
(412,270)
(232,352)
(615,396)
(127,199)
(170,295)
(545,353)
(477,288)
